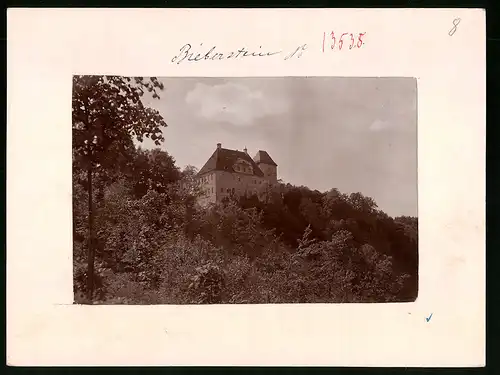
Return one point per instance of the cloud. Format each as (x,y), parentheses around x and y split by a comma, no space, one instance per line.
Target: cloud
(233,103)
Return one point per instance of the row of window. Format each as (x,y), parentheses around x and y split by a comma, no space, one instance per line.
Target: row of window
(205,179)
(253,181)
(243,169)
(228,191)
(210,177)
(208,191)
(232,191)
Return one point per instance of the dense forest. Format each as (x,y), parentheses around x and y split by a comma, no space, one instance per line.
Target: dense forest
(140,237)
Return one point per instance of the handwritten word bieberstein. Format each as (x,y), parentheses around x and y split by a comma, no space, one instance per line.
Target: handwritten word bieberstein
(186,53)
(339,41)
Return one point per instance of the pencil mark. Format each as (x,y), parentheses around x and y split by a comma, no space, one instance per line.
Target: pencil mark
(429,318)
(298,51)
(456,22)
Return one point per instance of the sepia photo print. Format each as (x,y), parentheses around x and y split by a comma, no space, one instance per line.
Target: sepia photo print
(244,190)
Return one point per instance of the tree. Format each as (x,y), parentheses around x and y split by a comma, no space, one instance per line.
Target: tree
(153,170)
(189,182)
(107,112)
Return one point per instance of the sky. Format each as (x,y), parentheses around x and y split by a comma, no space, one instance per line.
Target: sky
(355,134)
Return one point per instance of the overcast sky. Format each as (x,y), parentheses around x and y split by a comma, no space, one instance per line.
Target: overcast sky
(354,134)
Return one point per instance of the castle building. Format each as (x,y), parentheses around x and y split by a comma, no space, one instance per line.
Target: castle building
(234,173)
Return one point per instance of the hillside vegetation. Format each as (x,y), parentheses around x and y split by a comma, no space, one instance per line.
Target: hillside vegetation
(155,245)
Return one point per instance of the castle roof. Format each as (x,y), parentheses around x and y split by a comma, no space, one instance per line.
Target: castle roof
(264,158)
(223,159)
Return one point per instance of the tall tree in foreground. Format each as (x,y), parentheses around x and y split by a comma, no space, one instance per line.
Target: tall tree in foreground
(107,114)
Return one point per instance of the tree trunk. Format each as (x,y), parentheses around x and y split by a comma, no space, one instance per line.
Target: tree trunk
(91,254)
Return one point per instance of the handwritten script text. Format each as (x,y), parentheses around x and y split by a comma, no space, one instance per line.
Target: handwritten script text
(187,53)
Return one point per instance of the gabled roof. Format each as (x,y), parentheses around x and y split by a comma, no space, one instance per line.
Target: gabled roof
(264,158)
(223,159)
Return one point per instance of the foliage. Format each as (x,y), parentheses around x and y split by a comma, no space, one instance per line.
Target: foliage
(153,170)
(107,113)
(163,248)
(208,284)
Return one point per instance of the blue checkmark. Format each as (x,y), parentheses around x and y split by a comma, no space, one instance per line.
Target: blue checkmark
(429,318)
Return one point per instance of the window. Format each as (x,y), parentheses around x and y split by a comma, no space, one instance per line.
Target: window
(222,190)
(233,191)
(239,178)
(228,190)
(212,190)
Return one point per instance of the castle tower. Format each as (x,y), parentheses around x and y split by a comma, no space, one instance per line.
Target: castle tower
(267,166)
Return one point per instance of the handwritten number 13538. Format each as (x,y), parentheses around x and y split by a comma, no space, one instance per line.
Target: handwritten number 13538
(343,40)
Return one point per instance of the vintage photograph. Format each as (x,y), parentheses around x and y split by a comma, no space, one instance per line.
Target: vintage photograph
(256,190)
